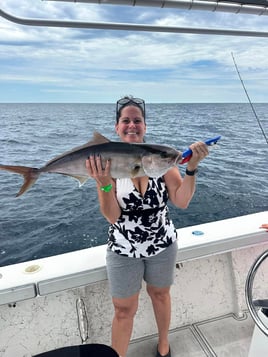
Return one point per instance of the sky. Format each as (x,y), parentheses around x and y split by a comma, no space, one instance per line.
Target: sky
(39,64)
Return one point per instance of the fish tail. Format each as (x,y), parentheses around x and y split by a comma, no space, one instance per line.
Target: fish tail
(30,175)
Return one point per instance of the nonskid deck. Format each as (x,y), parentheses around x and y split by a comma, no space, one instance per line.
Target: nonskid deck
(226,335)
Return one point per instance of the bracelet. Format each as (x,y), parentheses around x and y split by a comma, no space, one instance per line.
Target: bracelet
(106,188)
(191,173)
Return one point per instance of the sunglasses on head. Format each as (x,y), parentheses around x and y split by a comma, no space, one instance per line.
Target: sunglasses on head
(123,102)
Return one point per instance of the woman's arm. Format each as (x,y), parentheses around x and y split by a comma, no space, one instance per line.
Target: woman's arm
(109,206)
(181,190)
(265,226)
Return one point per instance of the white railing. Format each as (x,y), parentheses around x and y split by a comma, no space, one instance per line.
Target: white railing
(259,7)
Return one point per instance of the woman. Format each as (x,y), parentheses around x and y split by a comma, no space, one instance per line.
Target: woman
(142,239)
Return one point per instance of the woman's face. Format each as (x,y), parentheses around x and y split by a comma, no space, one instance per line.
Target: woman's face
(131,127)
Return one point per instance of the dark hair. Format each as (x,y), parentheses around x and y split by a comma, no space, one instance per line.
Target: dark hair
(129,101)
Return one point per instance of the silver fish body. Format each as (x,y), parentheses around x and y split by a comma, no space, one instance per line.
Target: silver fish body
(127,160)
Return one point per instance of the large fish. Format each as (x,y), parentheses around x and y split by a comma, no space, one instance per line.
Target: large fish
(127,160)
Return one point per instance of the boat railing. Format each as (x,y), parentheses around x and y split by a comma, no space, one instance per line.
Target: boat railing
(255,7)
(205,5)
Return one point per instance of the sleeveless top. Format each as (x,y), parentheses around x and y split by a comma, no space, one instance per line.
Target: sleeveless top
(144,228)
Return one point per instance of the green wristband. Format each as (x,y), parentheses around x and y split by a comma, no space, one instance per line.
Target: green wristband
(106,188)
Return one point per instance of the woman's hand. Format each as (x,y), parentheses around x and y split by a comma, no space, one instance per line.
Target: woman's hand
(108,202)
(200,151)
(96,171)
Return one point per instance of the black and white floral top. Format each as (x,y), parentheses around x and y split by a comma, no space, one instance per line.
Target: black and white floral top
(144,227)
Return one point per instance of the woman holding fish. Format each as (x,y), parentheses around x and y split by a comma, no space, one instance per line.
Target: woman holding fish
(142,238)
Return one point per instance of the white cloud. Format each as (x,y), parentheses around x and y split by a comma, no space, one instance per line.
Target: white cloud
(198,67)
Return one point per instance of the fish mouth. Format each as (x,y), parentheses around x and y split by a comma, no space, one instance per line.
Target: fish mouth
(178,158)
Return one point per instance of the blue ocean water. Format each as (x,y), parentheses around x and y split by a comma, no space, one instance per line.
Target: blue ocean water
(55,216)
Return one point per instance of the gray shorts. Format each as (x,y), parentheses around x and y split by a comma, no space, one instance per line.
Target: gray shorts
(125,274)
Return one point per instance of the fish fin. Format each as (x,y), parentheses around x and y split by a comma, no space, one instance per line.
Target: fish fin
(30,175)
(96,140)
(99,139)
(81,179)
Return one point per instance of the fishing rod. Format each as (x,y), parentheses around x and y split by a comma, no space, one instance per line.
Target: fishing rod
(252,107)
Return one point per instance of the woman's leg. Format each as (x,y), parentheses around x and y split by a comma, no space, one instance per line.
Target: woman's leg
(125,279)
(159,276)
(162,309)
(124,312)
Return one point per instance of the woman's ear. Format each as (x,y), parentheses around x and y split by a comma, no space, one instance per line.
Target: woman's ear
(116,128)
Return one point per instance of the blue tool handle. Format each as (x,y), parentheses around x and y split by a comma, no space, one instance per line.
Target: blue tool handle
(188,152)
(212,141)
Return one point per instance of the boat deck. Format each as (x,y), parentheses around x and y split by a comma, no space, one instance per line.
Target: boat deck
(223,336)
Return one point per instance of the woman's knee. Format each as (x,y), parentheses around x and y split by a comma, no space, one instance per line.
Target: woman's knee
(158,294)
(126,308)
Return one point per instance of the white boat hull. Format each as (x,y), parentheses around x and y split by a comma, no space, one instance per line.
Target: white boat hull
(210,282)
